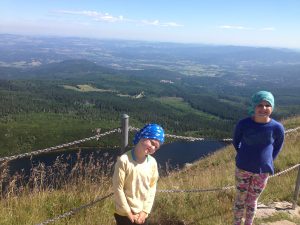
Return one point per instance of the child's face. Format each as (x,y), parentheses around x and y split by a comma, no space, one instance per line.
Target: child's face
(263,109)
(150,145)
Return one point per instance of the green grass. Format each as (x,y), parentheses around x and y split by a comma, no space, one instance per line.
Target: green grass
(203,208)
(86,88)
(184,107)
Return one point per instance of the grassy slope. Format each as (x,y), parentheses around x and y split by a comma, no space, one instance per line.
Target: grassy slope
(180,105)
(209,208)
(218,171)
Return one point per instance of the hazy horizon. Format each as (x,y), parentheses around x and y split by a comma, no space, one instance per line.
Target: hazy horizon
(256,23)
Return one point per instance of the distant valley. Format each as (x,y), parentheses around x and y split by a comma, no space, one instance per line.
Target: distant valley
(188,59)
(55,90)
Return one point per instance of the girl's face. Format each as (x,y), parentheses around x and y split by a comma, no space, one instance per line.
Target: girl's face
(263,110)
(150,145)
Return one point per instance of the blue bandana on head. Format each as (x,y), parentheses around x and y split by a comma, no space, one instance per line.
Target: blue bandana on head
(150,131)
(261,96)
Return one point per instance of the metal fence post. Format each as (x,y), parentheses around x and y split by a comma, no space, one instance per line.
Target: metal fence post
(124,133)
(297,187)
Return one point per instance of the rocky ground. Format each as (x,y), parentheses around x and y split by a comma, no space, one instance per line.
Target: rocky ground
(264,211)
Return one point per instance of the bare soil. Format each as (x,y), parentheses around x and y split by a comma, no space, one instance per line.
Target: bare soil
(264,211)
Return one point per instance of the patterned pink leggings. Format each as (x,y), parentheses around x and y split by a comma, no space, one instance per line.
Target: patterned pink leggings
(249,186)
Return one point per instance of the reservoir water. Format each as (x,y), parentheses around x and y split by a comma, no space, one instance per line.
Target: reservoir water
(173,155)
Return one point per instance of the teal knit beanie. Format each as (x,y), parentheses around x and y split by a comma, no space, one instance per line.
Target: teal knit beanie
(261,96)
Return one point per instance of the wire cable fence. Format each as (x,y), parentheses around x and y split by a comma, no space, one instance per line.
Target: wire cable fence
(203,139)
(116,130)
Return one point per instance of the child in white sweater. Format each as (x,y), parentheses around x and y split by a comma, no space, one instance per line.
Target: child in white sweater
(135,177)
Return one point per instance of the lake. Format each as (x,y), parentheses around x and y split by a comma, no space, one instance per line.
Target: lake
(178,154)
(170,156)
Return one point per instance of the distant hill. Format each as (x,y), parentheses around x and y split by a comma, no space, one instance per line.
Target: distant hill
(80,68)
(29,51)
(36,56)
(67,69)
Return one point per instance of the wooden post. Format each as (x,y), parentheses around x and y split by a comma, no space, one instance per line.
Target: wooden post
(124,133)
(297,187)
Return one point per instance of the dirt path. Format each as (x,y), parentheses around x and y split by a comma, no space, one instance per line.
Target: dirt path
(264,211)
(282,222)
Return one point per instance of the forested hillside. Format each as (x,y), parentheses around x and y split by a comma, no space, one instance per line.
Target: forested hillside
(60,102)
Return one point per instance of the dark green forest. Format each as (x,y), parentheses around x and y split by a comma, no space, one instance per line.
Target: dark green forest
(46,106)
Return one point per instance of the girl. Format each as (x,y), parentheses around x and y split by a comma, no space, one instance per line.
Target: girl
(257,139)
(135,177)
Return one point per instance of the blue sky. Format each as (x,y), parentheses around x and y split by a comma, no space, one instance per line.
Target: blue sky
(273,23)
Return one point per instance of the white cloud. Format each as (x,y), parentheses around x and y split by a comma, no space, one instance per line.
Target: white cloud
(106,17)
(171,24)
(160,24)
(154,22)
(98,16)
(234,27)
(246,28)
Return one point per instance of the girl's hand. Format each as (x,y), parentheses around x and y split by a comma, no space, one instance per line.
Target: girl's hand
(141,217)
(133,217)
